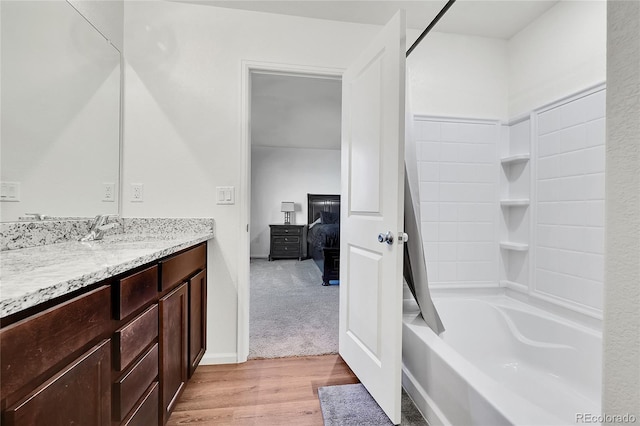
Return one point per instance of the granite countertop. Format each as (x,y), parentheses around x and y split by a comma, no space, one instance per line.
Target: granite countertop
(34,275)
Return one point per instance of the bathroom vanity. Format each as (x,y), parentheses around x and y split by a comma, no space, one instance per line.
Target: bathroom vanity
(115,345)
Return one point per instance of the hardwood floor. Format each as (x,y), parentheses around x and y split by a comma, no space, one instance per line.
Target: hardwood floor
(282,391)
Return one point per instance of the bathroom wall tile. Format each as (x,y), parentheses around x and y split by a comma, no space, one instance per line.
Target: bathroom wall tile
(593,213)
(448,212)
(571,114)
(547,258)
(428,211)
(520,137)
(466,200)
(447,271)
(429,151)
(477,212)
(595,106)
(476,251)
(429,191)
(447,231)
(429,231)
(596,132)
(470,132)
(428,171)
(548,122)
(593,240)
(594,186)
(476,232)
(465,193)
(476,271)
(467,173)
(447,252)
(569,226)
(449,152)
(428,130)
(593,160)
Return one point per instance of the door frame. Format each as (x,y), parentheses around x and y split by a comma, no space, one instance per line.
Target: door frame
(249,67)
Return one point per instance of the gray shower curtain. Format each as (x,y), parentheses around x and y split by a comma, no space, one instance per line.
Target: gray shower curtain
(415,266)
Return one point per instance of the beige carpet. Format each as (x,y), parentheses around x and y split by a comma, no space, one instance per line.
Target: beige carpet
(291,312)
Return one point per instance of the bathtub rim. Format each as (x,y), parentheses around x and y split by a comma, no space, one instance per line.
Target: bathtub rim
(479,381)
(513,408)
(531,300)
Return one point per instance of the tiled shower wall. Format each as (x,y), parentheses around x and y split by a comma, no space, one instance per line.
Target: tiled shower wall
(457,164)
(569,226)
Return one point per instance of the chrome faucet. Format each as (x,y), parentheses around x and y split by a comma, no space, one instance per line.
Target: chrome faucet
(99,225)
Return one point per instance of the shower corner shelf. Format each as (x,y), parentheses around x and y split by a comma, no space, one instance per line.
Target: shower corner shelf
(513,159)
(515,202)
(508,245)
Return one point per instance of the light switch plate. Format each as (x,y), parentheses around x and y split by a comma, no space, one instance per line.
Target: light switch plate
(225,195)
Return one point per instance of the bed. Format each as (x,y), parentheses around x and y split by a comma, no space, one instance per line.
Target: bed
(323,236)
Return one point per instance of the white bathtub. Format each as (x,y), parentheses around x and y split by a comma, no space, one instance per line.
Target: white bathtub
(500,362)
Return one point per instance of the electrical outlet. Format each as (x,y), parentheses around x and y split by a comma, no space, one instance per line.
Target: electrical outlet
(109,192)
(10,191)
(137,192)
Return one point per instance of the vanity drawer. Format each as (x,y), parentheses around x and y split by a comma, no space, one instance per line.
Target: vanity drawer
(135,291)
(146,413)
(180,267)
(130,387)
(132,338)
(33,346)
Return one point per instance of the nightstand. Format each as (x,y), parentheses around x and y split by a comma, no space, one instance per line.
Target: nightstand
(287,241)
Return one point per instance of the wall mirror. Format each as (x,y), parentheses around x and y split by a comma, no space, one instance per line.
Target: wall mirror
(60,116)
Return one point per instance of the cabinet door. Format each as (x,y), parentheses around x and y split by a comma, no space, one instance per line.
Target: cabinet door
(173,347)
(78,395)
(197,319)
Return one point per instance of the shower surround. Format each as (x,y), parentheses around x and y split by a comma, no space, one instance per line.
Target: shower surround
(513,230)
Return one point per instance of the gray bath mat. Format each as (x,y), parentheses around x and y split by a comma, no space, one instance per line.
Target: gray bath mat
(351,405)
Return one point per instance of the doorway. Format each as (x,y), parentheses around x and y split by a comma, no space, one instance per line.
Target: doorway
(291,147)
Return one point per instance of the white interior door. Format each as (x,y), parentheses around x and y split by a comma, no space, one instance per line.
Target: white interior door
(373,101)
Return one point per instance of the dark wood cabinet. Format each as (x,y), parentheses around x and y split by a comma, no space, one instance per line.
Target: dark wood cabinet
(287,241)
(77,395)
(36,348)
(173,347)
(146,413)
(197,319)
(118,354)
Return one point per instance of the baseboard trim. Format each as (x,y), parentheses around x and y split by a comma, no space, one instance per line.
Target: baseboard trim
(219,358)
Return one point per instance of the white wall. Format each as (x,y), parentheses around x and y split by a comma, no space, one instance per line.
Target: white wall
(560,53)
(287,174)
(456,75)
(107,16)
(569,224)
(457,167)
(183,118)
(621,387)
